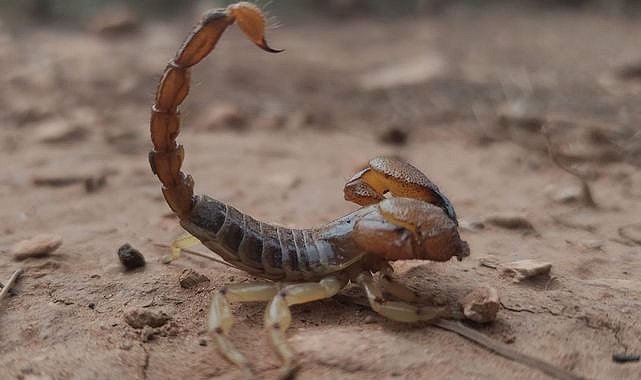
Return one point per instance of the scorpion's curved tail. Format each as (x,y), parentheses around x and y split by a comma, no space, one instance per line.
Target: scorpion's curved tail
(167,156)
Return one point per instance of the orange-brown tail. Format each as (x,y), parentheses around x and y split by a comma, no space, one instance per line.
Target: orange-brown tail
(167,156)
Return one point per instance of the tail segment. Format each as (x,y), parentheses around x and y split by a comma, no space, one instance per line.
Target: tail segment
(167,156)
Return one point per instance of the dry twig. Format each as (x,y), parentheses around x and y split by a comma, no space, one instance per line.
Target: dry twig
(586,193)
(505,351)
(9,284)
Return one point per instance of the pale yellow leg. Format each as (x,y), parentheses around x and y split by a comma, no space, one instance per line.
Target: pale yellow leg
(394,310)
(394,288)
(278,316)
(183,242)
(221,319)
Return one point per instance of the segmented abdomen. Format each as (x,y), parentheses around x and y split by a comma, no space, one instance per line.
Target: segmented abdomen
(256,247)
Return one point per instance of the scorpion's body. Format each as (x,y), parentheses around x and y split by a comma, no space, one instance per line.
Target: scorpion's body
(417,222)
(286,254)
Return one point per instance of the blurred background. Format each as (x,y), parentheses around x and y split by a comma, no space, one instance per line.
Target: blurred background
(73,10)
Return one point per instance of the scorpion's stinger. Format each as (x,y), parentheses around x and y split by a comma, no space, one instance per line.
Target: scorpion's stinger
(251,21)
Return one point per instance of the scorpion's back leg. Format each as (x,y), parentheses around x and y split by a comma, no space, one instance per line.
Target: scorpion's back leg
(278,315)
(396,310)
(397,177)
(221,320)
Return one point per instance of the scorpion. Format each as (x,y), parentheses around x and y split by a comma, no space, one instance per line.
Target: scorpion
(403,216)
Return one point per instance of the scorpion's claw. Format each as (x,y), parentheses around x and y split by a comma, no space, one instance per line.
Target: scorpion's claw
(400,179)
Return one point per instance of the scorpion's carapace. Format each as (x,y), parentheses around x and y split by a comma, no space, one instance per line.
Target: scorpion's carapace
(416,222)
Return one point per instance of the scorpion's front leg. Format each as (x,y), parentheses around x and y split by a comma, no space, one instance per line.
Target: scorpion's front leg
(396,289)
(397,177)
(396,310)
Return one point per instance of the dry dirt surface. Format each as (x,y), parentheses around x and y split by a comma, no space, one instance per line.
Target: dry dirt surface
(463,95)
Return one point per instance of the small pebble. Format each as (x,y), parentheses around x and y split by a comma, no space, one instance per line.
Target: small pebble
(394,136)
(130,257)
(190,278)
(621,357)
(202,342)
(138,318)
(489,261)
(481,304)
(225,116)
(522,269)
(510,222)
(57,131)
(38,246)
(471,226)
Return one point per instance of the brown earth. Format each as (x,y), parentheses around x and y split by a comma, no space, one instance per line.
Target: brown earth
(276,136)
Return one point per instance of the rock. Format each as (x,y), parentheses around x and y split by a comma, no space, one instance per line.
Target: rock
(489,261)
(625,358)
(116,21)
(394,136)
(56,131)
(404,72)
(270,120)
(481,304)
(38,246)
(138,318)
(130,257)
(522,269)
(225,116)
(567,195)
(190,278)
(510,221)
(471,226)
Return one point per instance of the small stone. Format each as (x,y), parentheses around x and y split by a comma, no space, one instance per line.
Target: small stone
(190,278)
(226,116)
(147,333)
(510,222)
(591,244)
(394,136)
(489,261)
(522,269)
(202,342)
(130,257)
(38,246)
(55,131)
(270,120)
(116,21)
(481,304)
(126,345)
(568,195)
(470,226)
(625,358)
(369,319)
(138,318)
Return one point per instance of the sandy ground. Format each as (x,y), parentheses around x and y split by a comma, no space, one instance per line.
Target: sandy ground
(277,136)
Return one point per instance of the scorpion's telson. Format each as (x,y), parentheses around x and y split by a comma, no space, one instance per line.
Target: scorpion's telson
(416,222)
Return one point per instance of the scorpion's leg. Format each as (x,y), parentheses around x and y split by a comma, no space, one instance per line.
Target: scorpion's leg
(278,315)
(183,242)
(221,320)
(396,310)
(398,290)
(397,177)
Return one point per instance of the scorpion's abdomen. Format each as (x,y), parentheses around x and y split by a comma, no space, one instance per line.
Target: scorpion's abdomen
(260,248)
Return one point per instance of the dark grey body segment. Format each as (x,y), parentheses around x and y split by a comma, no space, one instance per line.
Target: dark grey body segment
(274,252)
